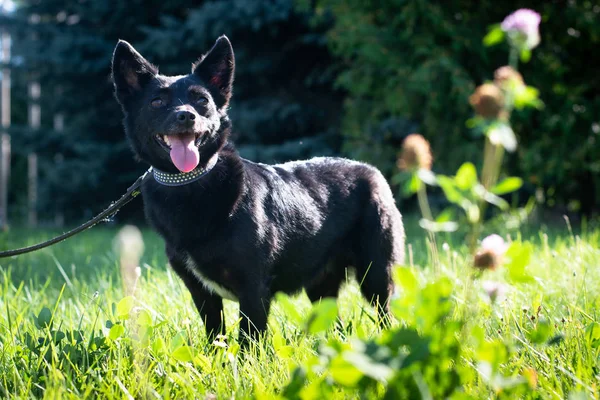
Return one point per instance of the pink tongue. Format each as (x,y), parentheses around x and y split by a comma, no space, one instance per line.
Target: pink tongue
(184,152)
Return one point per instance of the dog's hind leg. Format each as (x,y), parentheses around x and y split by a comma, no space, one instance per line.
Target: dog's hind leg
(380,246)
(255,303)
(328,285)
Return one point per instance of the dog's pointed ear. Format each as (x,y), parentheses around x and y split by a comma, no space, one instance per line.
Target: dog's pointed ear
(130,71)
(216,68)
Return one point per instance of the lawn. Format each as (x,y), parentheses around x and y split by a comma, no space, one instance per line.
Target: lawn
(66,332)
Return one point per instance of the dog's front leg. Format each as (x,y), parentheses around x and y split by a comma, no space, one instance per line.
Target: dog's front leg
(209,305)
(254,310)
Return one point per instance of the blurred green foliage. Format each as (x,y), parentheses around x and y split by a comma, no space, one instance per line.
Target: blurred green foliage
(419,61)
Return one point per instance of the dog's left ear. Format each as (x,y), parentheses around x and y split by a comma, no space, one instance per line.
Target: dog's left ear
(216,69)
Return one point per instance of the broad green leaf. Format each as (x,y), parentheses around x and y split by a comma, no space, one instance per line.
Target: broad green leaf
(527,96)
(289,309)
(412,185)
(323,316)
(406,279)
(144,318)
(124,307)
(183,353)
(466,176)
(365,364)
(448,186)
(541,333)
(44,318)
(116,331)
(507,185)
(592,334)
(344,373)
(280,346)
(518,255)
(493,352)
(203,362)
(447,215)
(158,346)
(494,36)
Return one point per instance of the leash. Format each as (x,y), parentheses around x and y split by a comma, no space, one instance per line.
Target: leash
(132,192)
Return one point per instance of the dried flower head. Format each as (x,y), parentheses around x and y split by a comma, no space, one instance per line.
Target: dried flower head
(491,253)
(415,154)
(506,77)
(488,101)
(522,28)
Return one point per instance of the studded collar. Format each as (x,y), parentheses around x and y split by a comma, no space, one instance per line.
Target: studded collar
(184,178)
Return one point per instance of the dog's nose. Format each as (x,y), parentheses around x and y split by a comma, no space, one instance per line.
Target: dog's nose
(186,118)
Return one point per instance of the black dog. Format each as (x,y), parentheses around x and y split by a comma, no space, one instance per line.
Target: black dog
(241,230)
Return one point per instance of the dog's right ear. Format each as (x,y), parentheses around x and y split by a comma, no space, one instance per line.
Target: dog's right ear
(130,71)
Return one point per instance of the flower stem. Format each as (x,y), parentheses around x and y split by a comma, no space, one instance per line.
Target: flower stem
(426,212)
(513,57)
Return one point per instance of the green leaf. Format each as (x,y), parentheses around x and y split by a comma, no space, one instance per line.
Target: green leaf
(44,318)
(365,364)
(116,331)
(183,353)
(519,255)
(158,346)
(541,333)
(592,334)
(494,36)
(289,309)
(527,96)
(406,279)
(323,316)
(144,318)
(447,215)
(525,55)
(412,185)
(281,348)
(448,186)
(466,176)
(507,185)
(344,373)
(124,307)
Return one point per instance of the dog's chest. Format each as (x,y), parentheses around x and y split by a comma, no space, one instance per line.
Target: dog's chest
(210,285)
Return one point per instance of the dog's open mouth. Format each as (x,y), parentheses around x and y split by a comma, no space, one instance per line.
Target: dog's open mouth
(183,149)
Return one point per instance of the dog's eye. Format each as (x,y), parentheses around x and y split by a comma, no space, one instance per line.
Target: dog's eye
(157,102)
(202,100)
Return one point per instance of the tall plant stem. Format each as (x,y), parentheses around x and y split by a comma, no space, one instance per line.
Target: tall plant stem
(426,212)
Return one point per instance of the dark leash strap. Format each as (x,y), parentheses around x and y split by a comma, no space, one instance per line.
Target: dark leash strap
(132,193)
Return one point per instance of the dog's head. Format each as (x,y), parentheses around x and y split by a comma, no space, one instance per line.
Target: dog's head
(175,122)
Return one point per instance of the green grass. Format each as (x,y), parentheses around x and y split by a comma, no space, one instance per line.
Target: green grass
(79,282)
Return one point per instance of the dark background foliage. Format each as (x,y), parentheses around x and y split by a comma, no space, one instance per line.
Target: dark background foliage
(322,77)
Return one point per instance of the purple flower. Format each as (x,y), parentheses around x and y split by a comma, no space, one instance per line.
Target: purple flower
(522,28)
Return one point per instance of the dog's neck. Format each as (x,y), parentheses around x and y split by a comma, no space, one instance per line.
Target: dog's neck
(184,178)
